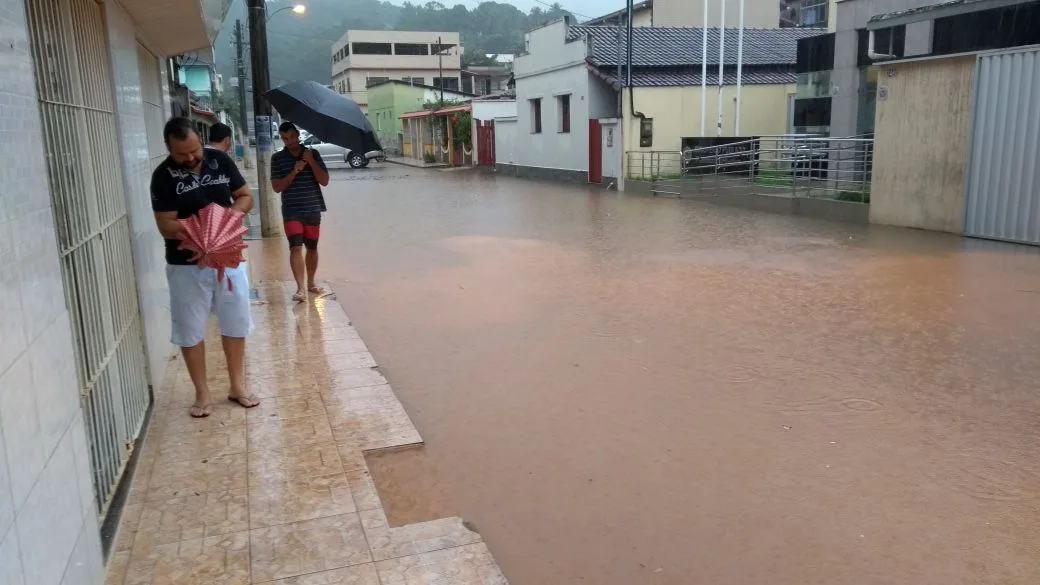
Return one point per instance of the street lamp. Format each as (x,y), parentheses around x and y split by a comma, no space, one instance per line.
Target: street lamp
(298,9)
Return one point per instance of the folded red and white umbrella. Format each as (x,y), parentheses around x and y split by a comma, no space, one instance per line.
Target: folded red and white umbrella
(215,238)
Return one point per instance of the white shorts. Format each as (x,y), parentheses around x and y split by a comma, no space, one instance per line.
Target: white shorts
(195,294)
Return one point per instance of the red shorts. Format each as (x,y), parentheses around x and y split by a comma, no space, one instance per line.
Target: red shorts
(303,230)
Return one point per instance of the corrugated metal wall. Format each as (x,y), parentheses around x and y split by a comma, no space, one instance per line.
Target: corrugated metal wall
(1003,192)
(77,107)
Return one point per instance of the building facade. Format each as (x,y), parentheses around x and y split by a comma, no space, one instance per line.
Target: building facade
(388,100)
(363,58)
(84,302)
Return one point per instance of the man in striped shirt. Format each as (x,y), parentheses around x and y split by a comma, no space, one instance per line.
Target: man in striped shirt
(298,173)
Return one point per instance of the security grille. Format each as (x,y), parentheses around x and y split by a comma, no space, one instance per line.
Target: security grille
(74,84)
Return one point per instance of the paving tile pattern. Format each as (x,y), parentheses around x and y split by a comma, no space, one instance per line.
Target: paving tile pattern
(280,494)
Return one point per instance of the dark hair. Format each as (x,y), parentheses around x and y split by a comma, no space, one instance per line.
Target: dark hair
(218,132)
(179,128)
(287,126)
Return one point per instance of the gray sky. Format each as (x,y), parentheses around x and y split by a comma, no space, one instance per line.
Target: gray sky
(591,8)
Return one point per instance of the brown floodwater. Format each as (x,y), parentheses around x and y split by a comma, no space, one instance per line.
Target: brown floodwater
(621,390)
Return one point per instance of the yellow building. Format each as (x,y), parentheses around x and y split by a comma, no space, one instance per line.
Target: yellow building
(662,110)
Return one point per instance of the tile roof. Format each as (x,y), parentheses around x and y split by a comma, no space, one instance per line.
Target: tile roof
(673,47)
(686,76)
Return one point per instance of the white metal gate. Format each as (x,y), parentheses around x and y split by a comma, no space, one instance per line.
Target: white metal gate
(75,87)
(1003,186)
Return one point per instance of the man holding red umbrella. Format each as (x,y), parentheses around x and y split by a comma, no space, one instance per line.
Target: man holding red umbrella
(191,178)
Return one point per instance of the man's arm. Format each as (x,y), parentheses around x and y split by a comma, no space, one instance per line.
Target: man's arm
(169,227)
(164,205)
(243,199)
(321,174)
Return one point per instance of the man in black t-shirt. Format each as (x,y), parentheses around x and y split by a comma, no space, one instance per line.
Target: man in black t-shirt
(298,173)
(188,180)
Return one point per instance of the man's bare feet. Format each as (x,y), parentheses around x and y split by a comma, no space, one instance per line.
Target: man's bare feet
(299,297)
(199,410)
(244,401)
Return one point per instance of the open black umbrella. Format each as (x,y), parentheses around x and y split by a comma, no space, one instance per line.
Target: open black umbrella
(328,115)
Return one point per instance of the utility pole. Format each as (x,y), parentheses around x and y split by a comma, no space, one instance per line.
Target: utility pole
(270,220)
(240,71)
(440,69)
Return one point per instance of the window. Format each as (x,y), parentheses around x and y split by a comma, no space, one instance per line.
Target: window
(411,49)
(450,83)
(373,49)
(536,116)
(563,114)
(414,80)
(370,81)
(646,132)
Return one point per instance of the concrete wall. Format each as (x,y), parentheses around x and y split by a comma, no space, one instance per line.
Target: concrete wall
(451,58)
(677,113)
(757,13)
(49,534)
(506,130)
(921,143)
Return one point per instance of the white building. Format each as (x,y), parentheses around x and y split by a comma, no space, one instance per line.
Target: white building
(362,58)
(85,318)
(556,96)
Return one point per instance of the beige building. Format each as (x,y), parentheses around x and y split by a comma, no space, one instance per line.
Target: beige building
(361,58)
(757,13)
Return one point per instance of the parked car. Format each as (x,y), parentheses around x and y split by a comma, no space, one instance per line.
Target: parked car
(330,151)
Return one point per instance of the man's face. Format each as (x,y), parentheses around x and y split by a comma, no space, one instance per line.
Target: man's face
(290,138)
(186,153)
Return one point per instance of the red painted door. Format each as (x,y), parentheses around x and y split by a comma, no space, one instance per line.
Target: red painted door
(595,152)
(486,142)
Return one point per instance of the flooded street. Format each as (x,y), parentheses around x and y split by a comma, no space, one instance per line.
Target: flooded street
(620,390)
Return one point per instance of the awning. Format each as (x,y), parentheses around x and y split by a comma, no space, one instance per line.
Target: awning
(440,112)
(175,27)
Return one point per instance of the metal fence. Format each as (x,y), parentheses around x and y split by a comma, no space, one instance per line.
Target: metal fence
(77,110)
(784,166)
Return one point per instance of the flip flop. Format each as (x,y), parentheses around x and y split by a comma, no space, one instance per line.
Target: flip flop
(203,407)
(238,400)
(299,298)
(316,290)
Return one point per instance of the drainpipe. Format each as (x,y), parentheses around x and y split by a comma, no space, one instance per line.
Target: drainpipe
(628,79)
(870,48)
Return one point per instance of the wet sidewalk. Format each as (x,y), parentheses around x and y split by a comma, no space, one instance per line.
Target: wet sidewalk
(281,493)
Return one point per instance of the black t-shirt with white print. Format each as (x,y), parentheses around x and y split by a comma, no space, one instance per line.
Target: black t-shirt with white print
(177,189)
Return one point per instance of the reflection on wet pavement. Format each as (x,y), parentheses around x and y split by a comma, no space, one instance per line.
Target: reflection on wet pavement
(622,390)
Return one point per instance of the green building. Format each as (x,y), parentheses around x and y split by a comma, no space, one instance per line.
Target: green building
(389,99)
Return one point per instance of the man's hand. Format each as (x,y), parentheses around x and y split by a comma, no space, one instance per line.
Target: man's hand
(308,156)
(301,164)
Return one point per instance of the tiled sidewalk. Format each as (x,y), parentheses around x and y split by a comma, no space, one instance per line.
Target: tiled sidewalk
(280,494)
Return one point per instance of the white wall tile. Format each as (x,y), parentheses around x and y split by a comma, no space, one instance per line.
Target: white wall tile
(57,390)
(41,286)
(6,501)
(85,567)
(21,428)
(12,326)
(50,522)
(10,560)
(84,477)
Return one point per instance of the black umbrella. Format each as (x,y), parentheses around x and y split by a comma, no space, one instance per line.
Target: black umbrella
(326,114)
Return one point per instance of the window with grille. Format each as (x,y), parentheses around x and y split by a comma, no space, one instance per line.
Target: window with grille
(563,113)
(536,115)
(75,90)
